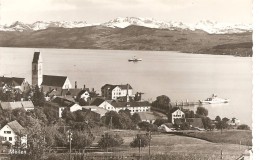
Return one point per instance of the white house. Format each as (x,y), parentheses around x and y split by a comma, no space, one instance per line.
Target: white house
(234,122)
(177,115)
(73,107)
(98,110)
(12,131)
(83,94)
(110,91)
(103,104)
(133,106)
(14,82)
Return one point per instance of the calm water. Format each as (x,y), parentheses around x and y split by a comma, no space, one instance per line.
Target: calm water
(179,76)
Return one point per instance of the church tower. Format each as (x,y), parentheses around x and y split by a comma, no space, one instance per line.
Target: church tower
(37,69)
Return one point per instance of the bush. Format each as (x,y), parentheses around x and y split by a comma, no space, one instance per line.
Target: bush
(110,140)
(141,140)
(147,126)
(243,127)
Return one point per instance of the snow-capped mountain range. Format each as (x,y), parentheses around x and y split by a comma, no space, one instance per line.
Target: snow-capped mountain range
(207,26)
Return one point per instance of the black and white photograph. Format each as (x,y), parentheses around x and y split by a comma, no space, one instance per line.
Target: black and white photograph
(127,80)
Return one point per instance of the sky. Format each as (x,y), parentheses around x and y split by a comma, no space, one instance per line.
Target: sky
(99,11)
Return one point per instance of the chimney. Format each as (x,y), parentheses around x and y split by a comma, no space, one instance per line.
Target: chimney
(93,89)
(75,84)
(84,86)
(127,96)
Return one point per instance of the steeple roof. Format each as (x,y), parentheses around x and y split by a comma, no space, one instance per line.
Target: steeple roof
(36,57)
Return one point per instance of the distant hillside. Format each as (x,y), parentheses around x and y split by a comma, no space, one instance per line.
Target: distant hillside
(132,38)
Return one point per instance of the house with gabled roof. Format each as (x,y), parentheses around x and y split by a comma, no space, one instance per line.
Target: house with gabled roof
(98,110)
(59,104)
(178,114)
(57,83)
(13,131)
(110,91)
(7,83)
(149,117)
(102,103)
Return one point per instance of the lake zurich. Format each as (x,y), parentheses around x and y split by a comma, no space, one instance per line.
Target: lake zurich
(180,76)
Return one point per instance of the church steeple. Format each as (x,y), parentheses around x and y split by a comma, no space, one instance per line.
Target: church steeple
(37,69)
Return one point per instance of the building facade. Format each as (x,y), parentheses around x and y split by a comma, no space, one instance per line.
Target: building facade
(11,132)
(110,91)
(178,114)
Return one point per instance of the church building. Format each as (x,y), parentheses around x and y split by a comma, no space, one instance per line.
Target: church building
(48,83)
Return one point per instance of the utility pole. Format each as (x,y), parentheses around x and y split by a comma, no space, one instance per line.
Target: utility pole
(70,138)
(139,147)
(150,138)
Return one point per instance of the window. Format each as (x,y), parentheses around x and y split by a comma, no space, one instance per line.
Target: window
(7,132)
(10,138)
(5,138)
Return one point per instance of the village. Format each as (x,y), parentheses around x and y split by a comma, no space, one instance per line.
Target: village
(61,116)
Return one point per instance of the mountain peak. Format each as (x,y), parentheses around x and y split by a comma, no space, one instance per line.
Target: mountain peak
(123,22)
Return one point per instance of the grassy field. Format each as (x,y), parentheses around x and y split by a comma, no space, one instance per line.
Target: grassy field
(227,136)
(182,146)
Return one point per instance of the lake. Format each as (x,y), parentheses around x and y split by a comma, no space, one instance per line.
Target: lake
(180,76)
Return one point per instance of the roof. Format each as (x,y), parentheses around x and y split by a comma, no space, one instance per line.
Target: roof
(12,81)
(63,101)
(36,57)
(147,116)
(122,86)
(15,126)
(49,80)
(73,92)
(118,104)
(178,110)
(97,101)
(27,104)
(98,110)
(11,105)
(18,104)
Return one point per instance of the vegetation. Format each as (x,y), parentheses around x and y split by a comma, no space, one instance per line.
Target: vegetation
(38,97)
(133,38)
(243,127)
(110,140)
(227,136)
(141,140)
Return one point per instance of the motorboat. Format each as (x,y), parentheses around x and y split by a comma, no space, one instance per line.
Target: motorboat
(134,59)
(214,100)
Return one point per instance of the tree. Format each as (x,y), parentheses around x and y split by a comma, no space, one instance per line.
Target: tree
(243,127)
(141,140)
(207,123)
(162,102)
(189,114)
(159,122)
(185,126)
(136,118)
(110,140)
(218,119)
(36,139)
(201,111)
(147,126)
(38,98)
(81,139)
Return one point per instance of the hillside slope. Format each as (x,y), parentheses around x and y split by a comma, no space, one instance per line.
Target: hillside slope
(132,38)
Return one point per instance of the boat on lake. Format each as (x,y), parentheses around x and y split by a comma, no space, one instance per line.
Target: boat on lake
(134,59)
(214,100)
